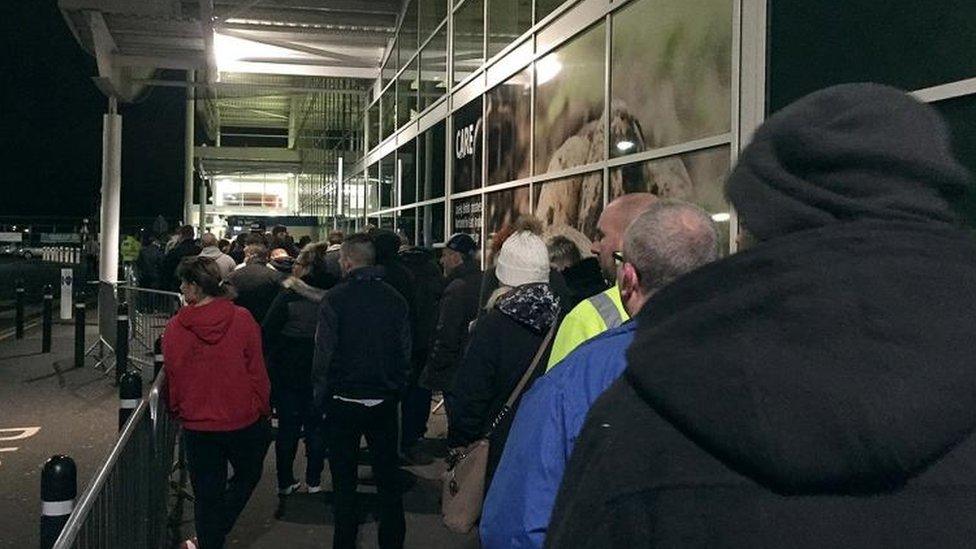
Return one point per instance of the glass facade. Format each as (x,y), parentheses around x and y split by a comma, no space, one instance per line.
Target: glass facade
(584,106)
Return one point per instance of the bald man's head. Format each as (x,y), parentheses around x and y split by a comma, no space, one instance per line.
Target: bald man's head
(208,240)
(614,220)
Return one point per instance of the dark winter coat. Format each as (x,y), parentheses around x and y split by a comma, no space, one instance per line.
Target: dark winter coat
(288,332)
(428,285)
(148,266)
(502,346)
(167,268)
(362,345)
(458,307)
(256,285)
(819,389)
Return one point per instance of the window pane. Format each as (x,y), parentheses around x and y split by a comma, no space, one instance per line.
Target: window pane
(469,34)
(407,164)
(503,208)
(545,7)
(696,177)
(571,206)
(960,114)
(569,103)
(431,225)
(387,181)
(508,128)
(433,69)
(408,34)
(390,67)
(387,112)
(467,147)
(432,13)
(406,86)
(466,217)
(431,162)
(372,188)
(671,73)
(406,225)
(507,20)
(373,122)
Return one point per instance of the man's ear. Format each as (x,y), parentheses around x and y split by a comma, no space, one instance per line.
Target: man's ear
(627,280)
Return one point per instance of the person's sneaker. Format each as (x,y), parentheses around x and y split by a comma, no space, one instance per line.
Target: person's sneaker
(315,489)
(289,490)
(191,543)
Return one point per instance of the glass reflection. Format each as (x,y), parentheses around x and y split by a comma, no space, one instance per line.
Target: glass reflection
(671,73)
(431,162)
(469,35)
(433,69)
(507,20)
(569,103)
(508,128)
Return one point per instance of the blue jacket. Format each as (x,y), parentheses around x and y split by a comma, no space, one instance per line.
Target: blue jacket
(550,417)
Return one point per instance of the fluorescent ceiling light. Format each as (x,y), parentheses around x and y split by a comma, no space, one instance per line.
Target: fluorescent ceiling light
(625,145)
(229,50)
(547,68)
(723,217)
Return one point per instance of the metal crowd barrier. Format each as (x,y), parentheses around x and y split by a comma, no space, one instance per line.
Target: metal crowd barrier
(149,311)
(126,504)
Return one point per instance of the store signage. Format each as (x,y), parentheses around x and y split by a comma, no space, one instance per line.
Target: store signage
(11,237)
(464,142)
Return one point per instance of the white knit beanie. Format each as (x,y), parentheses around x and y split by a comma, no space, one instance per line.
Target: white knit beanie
(523,259)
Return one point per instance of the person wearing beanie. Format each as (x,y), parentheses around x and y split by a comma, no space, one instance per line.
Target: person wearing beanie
(503,344)
(816,389)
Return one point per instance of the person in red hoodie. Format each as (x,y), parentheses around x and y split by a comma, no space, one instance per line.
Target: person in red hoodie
(219,390)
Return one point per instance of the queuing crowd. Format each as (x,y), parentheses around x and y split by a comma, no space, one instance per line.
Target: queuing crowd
(814,389)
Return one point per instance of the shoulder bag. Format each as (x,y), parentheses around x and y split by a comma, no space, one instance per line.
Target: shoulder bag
(463,492)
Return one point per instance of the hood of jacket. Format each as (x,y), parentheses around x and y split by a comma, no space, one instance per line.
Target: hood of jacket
(210,322)
(835,356)
(534,306)
(212,252)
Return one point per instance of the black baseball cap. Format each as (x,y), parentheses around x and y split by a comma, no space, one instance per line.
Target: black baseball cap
(461,243)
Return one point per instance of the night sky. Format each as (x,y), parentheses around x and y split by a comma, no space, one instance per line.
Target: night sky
(51,136)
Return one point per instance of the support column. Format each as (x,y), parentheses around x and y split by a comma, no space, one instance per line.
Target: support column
(111,186)
(188,151)
(203,206)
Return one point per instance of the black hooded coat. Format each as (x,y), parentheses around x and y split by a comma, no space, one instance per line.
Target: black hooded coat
(818,389)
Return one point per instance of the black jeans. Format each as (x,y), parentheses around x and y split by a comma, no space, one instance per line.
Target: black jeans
(415,410)
(295,415)
(348,422)
(217,500)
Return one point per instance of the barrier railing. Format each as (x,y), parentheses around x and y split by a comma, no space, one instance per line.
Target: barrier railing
(149,311)
(125,505)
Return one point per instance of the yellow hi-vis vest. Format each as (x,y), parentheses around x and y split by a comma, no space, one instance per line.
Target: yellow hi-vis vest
(591,317)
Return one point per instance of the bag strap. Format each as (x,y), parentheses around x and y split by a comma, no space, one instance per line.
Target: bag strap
(525,379)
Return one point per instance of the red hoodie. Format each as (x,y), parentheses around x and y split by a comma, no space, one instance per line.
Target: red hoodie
(215,367)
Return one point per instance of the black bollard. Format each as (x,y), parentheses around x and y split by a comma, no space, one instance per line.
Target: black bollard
(59,488)
(80,332)
(157,356)
(46,319)
(122,343)
(130,393)
(21,292)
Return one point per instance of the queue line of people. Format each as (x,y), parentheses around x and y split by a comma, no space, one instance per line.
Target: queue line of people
(812,389)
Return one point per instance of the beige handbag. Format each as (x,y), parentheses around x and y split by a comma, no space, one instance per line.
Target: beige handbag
(463,491)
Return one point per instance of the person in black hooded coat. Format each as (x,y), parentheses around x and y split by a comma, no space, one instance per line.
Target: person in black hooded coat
(818,389)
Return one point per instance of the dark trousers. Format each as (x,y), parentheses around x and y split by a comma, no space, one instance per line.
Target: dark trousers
(217,500)
(295,416)
(348,422)
(415,410)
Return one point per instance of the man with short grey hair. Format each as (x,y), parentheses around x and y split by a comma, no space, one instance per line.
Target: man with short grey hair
(670,239)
